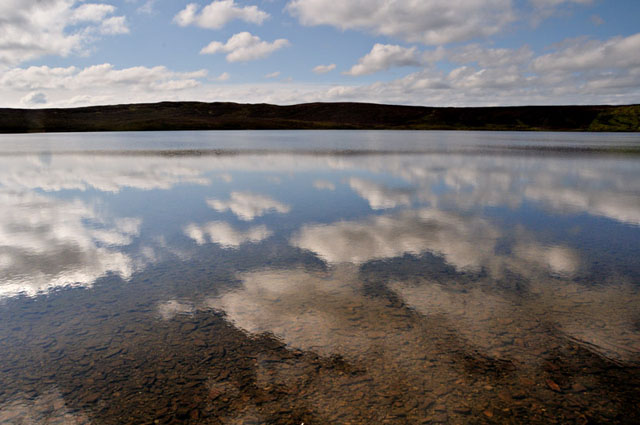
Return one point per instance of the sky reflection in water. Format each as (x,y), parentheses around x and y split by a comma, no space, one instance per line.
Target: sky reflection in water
(438,266)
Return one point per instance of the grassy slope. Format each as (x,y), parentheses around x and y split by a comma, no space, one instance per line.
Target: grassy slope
(202,116)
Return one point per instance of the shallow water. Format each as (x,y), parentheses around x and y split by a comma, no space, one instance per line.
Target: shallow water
(321,277)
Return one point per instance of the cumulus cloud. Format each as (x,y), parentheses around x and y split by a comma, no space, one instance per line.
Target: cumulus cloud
(91,12)
(30,29)
(385,56)
(553,3)
(583,55)
(147,7)
(323,69)
(243,47)
(225,235)
(217,14)
(543,9)
(104,78)
(431,22)
(114,25)
(579,71)
(247,205)
(223,77)
(575,72)
(490,57)
(34,98)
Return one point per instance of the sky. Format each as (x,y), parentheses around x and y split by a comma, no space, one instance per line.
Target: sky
(67,53)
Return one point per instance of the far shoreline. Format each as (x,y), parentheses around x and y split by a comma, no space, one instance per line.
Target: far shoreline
(187,116)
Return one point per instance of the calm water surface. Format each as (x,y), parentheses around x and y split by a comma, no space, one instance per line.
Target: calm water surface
(323,277)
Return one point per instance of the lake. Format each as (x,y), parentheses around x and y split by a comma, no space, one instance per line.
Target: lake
(319,277)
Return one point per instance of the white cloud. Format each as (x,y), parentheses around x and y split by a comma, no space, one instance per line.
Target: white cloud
(575,72)
(430,22)
(247,205)
(92,12)
(543,9)
(223,77)
(30,29)
(323,69)
(225,235)
(585,55)
(34,98)
(275,74)
(554,3)
(244,47)
(385,56)
(490,57)
(579,71)
(114,25)
(147,7)
(105,75)
(218,13)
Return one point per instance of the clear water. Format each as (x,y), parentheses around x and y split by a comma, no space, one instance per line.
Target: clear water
(321,277)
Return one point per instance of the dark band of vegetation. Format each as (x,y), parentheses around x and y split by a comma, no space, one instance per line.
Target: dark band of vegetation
(233,116)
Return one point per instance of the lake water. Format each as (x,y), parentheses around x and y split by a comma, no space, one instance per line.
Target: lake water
(324,277)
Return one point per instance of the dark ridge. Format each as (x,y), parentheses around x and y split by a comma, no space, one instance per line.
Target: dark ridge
(235,116)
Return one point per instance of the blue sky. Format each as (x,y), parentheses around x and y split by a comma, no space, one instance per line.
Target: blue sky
(56,53)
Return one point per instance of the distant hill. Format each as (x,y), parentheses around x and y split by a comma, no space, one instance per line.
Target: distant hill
(234,116)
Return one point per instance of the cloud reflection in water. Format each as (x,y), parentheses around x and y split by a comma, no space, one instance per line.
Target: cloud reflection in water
(439,202)
(46,243)
(225,235)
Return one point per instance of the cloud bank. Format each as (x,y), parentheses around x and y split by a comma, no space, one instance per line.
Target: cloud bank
(31,29)
(432,22)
